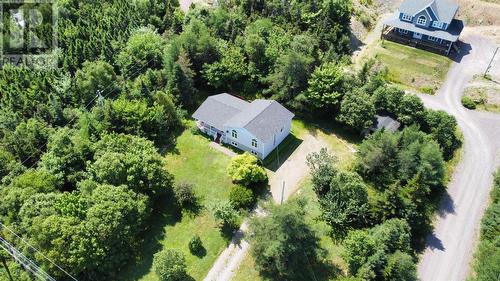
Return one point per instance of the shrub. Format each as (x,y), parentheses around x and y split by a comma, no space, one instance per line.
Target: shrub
(428,90)
(170,265)
(241,197)
(366,21)
(467,102)
(184,194)
(195,245)
(225,213)
(245,169)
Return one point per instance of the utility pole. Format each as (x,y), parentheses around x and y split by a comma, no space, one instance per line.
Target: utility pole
(4,262)
(100,98)
(489,64)
(282,193)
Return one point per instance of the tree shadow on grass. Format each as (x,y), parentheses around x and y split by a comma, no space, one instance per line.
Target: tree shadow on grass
(193,209)
(325,271)
(166,213)
(227,232)
(201,252)
(320,271)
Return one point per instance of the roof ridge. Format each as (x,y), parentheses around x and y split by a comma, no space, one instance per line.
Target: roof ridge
(214,97)
(262,111)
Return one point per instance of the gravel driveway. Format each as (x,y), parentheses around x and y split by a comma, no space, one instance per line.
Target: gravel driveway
(450,248)
(292,171)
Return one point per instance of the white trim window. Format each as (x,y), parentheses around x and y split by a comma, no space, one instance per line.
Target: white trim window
(422,20)
(406,17)
(438,24)
(403,31)
(432,38)
(254,142)
(234,134)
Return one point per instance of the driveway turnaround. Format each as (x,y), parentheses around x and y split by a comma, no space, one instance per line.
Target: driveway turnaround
(450,248)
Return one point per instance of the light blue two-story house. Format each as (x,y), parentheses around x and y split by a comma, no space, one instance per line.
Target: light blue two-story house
(427,24)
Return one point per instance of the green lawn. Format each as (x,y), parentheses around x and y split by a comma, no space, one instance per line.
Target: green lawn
(410,67)
(195,162)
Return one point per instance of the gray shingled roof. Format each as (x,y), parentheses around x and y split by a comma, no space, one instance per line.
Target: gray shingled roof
(217,109)
(262,118)
(445,10)
(411,7)
(387,123)
(450,34)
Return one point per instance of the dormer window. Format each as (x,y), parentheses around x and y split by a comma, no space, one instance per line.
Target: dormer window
(437,24)
(422,20)
(406,17)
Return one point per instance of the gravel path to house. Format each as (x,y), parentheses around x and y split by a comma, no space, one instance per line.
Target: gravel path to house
(371,37)
(450,248)
(285,181)
(222,149)
(292,171)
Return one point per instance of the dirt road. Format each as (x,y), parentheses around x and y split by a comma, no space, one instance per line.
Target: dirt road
(292,171)
(450,248)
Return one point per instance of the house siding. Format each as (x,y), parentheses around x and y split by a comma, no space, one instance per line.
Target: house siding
(426,15)
(401,17)
(244,141)
(280,136)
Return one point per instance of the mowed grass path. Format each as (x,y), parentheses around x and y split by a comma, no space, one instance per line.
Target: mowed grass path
(195,162)
(410,67)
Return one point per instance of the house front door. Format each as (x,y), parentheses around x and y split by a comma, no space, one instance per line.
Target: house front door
(417,35)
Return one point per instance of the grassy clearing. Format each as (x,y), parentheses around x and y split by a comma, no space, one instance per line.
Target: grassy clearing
(484,92)
(339,141)
(412,68)
(195,162)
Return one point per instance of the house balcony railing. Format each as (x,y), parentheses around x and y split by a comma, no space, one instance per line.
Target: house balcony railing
(391,34)
(202,126)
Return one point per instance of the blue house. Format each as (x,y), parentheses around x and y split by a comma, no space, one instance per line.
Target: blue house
(427,24)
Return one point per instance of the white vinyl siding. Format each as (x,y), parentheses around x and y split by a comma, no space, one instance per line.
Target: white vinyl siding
(438,24)
(406,17)
(422,20)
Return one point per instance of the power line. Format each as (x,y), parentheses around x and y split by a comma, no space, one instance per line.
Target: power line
(24,261)
(98,96)
(36,250)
